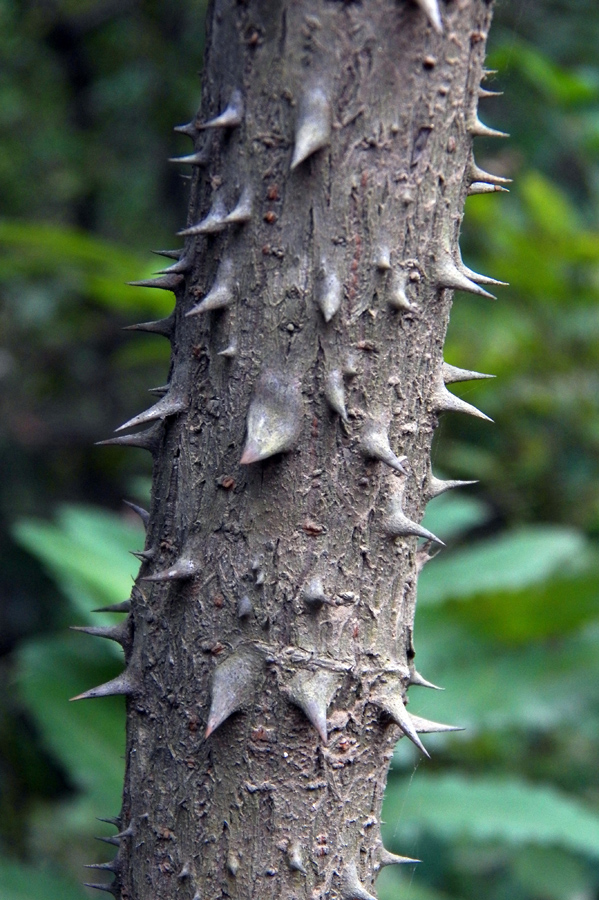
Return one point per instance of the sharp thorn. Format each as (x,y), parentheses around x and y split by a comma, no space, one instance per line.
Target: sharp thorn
(123,607)
(121,633)
(122,684)
(313,127)
(167,406)
(234,686)
(181,570)
(164,327)
(231,117)
(164,282)
(417,679)
(482,187)
(452,374)
(143,514)
(431,10)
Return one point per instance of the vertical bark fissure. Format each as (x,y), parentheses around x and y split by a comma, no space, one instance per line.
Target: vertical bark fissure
(272,627)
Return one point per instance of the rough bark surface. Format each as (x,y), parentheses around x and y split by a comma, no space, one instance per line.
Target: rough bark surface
(269,639)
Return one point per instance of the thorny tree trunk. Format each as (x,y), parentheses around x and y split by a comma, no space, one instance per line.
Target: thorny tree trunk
(269,641)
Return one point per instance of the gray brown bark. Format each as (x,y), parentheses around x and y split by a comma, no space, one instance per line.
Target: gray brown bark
(292,448)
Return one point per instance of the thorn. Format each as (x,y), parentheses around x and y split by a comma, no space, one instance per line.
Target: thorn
(424,726)
(201,158)
(214,222)
(123,607)
(164,282)
(329,291)
(170,254)
(391,859)
(190,129)
(313,692)
(180,267)
(115,839)
(451,374)
(144,555)
(234,686)
(431,10)
(436,486)
(143,514)
(479,129)
(103,867)
(122,684)
(382,259)
(242,212)
(167,406)
(229,352)
(483,92)
(397,523)
(313,126)
(244,607)
(231,117)
(477,174)
(351,886)
(181,570)
(374,444)
(112,820)
(392,704)
(149,439)
(184,873)
(443,400)
(449,276)
(108,888)
(417,679)
(294,856)
(159,392)
(334,391)
(221,295)
(274,418)
(397,297)
(482,187)
(313,594)
(232,864)
(120,633)
(164,327)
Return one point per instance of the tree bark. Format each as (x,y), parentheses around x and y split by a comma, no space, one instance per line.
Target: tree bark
(269,641)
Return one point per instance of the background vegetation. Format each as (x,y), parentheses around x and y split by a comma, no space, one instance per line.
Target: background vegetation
(508,618)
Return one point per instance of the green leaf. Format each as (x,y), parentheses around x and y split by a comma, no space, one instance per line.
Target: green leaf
(86,737)
(508,562)
(484,809)
(87,554)
(21,882)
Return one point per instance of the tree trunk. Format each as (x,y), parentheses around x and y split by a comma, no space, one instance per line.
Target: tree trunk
(269,641)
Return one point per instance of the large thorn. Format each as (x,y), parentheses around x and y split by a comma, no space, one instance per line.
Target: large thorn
(295,858)
(215,221)
(164,327)
(231,117)
(180,267)
(392,859)
(201,158)
(396,295)
(482,187)
(448,276)
(474,276)
(437,486)
(425,726)
(242,211)
(374,444)
(121,633)
(108,888)
(181,570)
(274,418)
(313,594)
(123,607)
(313,126)
(115,839)
(167,406)
(397,524)
(329,291)
(111,866)
(334,391)
(222,293)
(443,400)
(143,514)
(479,129)
(431,10)
(391,703)
(416,678)
(122,684)
(452,374)
(351,886)
(144,555)
(312,692)
(234,686)
(149,439)
(169,254)
(164,282)
(477,174)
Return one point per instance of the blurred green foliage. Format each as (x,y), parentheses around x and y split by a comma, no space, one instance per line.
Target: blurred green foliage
(508,618)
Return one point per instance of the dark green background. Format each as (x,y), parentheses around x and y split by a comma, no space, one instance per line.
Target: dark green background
(509,614)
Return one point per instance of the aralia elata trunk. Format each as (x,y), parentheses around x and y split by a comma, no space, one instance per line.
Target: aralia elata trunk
(268,639)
